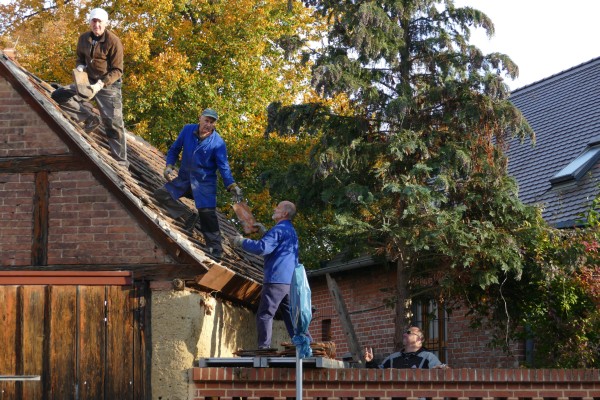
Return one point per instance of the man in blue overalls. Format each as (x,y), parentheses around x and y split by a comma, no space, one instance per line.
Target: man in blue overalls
(204,152)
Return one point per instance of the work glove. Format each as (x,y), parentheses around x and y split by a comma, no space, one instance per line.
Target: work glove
(261,228)
(80,68)
(236,192)
(167,172)
(96,87)
(238,241)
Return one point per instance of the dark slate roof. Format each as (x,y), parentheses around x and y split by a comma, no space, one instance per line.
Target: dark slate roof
(564,112)
(340,263)
(238,274)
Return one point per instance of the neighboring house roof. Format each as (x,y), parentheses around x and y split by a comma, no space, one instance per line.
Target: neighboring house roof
(340,263)
(238,274)
(564,112)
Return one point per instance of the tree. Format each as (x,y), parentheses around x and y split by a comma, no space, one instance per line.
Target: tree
(44,34)
(414,167)
(558,301)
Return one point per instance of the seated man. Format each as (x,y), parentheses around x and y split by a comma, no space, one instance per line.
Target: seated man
(413,355)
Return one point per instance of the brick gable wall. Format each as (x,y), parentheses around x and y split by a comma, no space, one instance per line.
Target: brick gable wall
(16,203)
(86,224)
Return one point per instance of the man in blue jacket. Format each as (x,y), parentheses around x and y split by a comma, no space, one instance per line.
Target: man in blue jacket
(279,247)
(204,152)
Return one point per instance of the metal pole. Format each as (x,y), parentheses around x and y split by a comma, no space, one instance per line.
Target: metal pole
(19,377)
(298,375)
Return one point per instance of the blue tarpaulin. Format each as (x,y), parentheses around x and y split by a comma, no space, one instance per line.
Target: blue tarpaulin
(301,310)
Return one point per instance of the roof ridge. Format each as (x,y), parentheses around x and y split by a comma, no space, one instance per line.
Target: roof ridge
(558,74)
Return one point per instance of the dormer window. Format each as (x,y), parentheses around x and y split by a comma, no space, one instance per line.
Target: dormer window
(579,166)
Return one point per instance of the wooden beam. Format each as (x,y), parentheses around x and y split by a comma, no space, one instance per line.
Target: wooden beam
(39,242)
(347,326)
(216,278)
(49,163)
(238,289)
(122,278)
(229,283)
(146,272)
(244,289)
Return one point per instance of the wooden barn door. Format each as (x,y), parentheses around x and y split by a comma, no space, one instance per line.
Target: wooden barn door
(83,341)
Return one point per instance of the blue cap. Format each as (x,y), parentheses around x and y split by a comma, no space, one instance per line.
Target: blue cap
(209,112)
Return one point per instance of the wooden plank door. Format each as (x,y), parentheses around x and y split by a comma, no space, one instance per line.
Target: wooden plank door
(85,342)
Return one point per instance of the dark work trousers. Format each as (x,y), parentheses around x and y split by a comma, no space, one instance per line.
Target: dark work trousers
(110,105)
(272,297)
(209,222)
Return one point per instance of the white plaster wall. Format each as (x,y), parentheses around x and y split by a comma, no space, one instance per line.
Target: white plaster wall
(188,325)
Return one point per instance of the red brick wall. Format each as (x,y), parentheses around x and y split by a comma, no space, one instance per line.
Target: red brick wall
(364,291)
(22,131)
(87,225)
(361,291)
(469,348)
(16,205)
(411,384)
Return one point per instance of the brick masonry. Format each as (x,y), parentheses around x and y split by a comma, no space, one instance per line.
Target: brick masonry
(89,226)
(362,292)
(409,384)
(16,205)
(22,132)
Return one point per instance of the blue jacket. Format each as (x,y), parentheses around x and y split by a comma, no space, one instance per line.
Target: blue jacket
(199,164)
(279,246)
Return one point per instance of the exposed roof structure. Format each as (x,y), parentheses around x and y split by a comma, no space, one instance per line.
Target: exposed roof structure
(237,274)
(564,112)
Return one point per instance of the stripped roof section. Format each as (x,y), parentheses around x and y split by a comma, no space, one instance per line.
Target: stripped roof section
(238,272)
(564,112)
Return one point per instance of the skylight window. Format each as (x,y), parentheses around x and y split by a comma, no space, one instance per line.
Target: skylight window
(579,166)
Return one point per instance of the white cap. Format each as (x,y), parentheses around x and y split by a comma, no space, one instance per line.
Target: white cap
(98,13)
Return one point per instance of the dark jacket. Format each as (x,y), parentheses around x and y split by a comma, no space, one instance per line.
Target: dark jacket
(103,59)
(419,359)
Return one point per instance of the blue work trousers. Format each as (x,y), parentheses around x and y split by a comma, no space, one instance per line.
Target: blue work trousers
(273,296)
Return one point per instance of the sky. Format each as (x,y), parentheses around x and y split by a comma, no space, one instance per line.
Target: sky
(543,37)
